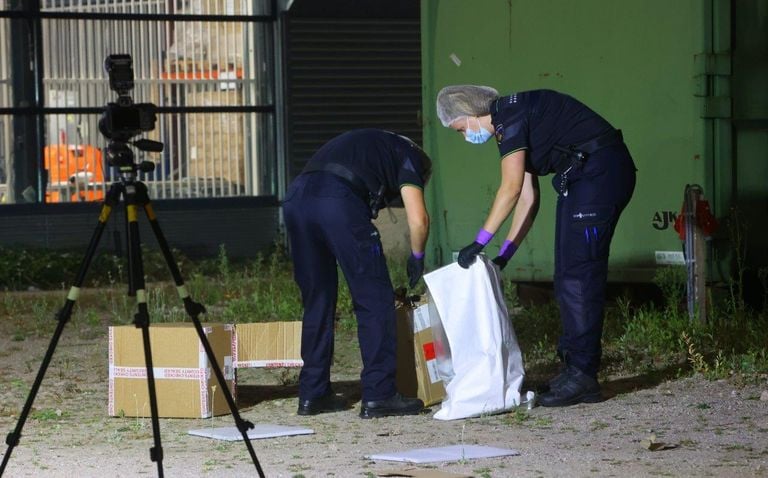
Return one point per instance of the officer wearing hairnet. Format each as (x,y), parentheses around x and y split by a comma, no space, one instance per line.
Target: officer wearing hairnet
(328,210)
(538,133)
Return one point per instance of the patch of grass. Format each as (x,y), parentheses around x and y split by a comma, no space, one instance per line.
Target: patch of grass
(644,338)
(483,472)
(737,446)
(210,464)
(518,416)
(299,467)
(597,425)
(47,414)
(637,338)
(543,422)
(24,268)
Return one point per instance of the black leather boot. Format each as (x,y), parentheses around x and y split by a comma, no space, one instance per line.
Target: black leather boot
(555,381)
(394,406)
(329,402)
(571,387)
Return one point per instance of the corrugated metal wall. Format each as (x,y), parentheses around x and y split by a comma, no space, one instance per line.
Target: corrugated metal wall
(602,52)
(350,73)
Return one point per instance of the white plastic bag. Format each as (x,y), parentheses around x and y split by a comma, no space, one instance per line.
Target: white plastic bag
(486,361)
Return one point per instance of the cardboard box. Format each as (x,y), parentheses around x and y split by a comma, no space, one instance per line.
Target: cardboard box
(268,345)
(184,380)
(217,44)
(416,361)
(216,140)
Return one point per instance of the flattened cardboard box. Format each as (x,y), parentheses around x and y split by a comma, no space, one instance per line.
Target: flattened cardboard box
(185,383)
(416,362)
(267,345)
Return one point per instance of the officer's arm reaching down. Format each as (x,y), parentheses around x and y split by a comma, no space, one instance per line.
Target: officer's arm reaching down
(418,219)
(512,178)
(418,226)
(522,220)
(526,209)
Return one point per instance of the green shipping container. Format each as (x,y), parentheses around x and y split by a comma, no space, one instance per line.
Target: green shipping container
(685,80)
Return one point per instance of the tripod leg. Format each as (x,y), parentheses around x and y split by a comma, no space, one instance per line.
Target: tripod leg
(194,309)
(63,316)
(141,320)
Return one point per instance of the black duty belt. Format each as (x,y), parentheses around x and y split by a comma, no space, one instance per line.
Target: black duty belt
(580,152)
(355,183)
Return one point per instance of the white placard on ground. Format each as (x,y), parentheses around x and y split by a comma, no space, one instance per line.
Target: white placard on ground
(257,432)
(444,453)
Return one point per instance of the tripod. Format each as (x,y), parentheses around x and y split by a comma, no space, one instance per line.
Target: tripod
(135,195)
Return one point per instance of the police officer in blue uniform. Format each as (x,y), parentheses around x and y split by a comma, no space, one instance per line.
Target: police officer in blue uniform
(538,133)
(328,210)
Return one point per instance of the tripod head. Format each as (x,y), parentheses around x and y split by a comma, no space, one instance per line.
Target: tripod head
(124,119)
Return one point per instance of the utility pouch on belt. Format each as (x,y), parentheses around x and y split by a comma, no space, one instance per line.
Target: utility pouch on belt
(374,201)
(574,155)
(357,185)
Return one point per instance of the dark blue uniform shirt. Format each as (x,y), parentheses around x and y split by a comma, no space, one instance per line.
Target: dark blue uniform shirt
(378,158)
(539,119)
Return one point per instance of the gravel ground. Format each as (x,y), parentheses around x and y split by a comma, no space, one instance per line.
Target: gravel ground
(711,428)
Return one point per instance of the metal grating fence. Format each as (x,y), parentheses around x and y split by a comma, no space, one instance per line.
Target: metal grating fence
(5,101)
(207,64)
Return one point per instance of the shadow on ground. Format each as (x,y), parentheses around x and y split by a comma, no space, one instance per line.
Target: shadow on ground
(250,395)
(537,376)
(623,385)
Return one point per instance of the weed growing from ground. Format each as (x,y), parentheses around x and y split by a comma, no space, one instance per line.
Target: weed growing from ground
(47,414)
(730,343)
(637,338)
(483,472)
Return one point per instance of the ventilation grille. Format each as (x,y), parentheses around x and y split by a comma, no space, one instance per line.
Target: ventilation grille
(347,74)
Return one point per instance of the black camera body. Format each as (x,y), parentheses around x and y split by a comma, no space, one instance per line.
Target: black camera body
(124,119)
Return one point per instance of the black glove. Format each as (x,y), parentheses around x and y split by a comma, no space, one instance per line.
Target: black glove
(501,261)
(415,270)
(506,252)
(468,254)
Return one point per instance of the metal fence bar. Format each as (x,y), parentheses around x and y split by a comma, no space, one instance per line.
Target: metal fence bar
(5,121)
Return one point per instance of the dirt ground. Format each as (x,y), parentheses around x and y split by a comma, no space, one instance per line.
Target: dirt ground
(711,428)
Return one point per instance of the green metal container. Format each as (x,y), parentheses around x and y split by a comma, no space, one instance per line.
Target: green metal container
(660,71)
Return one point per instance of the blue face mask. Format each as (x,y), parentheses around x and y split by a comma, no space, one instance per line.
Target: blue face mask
(479,136)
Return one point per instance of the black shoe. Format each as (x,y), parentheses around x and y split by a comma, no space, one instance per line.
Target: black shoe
(574,387)
(327,403)
(555,381)
(394,406)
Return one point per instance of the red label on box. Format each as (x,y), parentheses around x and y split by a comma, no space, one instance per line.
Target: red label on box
(429,351)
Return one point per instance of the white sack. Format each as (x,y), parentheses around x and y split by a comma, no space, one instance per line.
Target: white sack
(487,363)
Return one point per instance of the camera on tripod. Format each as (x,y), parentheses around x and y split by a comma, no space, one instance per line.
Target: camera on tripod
(124,119)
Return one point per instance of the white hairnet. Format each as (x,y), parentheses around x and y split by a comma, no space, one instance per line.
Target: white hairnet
(456,101)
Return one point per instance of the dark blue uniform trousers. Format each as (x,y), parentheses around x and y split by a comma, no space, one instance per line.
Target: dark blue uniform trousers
(328,224)
(587,216)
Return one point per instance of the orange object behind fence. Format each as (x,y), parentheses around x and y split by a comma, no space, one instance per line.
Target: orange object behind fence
(76,170)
